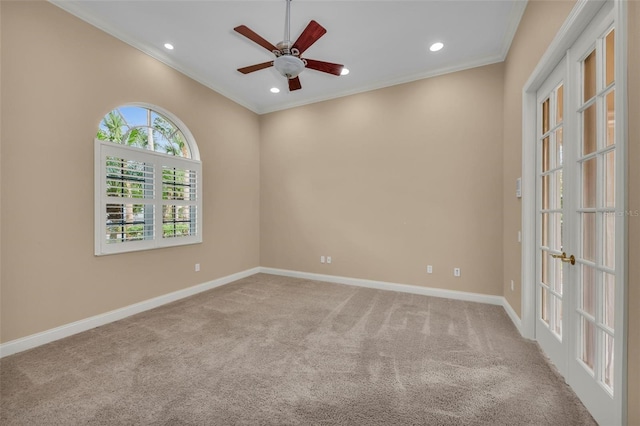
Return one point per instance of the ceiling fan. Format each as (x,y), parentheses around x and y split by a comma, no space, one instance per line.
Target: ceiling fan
(288,61)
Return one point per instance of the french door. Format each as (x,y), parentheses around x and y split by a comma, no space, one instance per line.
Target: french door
(594,218)
(551,214)
(576,220)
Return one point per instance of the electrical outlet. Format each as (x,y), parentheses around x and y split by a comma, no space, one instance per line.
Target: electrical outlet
(321,259)
(328,259)
(429,269)
(197,267)
(519,236)
(511,285)
(456,272)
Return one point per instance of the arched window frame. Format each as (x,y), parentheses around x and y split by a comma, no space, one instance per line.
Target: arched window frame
(146,199)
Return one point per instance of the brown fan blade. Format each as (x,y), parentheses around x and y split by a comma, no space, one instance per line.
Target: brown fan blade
(294,84)
(256,67)
(310,35)
(327,67)
(251,35)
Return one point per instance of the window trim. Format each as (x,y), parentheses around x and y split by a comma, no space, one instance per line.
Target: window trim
(102,149)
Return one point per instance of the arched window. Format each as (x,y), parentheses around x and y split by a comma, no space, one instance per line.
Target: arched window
(147,181)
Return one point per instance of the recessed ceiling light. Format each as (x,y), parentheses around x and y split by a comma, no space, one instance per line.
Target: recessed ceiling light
(168,46)
(275,90)
(436,46)
(344,71)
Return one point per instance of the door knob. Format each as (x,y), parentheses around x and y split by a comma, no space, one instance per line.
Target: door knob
(571,259)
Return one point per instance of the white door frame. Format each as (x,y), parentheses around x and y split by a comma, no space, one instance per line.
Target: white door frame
(583,12)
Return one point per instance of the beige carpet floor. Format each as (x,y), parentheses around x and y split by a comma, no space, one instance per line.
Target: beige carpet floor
(269,350)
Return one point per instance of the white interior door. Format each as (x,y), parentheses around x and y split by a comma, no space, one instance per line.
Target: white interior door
(594,220)
(577,224)
(550,214)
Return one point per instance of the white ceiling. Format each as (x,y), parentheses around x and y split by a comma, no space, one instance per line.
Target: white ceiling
(382,43)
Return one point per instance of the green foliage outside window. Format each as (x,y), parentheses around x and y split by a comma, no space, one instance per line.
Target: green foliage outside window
(143,128)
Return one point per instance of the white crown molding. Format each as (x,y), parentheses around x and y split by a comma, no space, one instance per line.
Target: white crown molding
(516,15)
(76,327)
(386,83)
(514,22)
(95,21)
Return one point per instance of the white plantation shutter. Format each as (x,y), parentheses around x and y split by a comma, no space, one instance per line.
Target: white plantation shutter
(145,199)
(179,201)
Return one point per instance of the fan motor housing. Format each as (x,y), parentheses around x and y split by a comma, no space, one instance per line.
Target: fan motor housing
(286,48)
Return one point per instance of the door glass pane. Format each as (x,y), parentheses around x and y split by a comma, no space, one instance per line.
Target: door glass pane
(559,147)
(589,77)
(556,237)
(557,189)
(589,183)
(611,117)
(557,310)
(610,179)
(610,56)
(559,104)
(545,154)
(545,192)
(589,130)
(545,116)
(545,230)
(608,361)
(545,267)
(609,299)
(557,282)
(588,342)
(609,240)
(588,299)
(589,236)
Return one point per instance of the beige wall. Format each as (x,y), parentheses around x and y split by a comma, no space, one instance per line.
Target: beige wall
(385,182)
(60,76)
(634,221)
(389,181)
(539,25)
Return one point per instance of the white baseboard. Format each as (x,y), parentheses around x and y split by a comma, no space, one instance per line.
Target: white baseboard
(512,314)
(384,285)
(404,288)
(66,330)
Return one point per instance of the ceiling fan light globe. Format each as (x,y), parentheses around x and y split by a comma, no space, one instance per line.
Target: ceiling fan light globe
(289,66)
